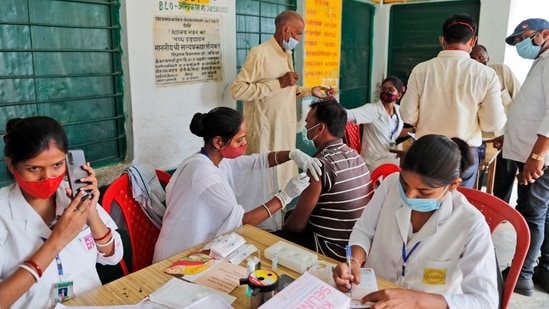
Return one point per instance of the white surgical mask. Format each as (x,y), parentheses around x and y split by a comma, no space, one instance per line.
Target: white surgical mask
(290,44)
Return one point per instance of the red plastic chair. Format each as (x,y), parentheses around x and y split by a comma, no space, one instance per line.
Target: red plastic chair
(381,172)
(496,211)
(351,136)
(163,177)
(142,232)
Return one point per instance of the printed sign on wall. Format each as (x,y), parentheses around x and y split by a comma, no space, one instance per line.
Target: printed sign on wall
(322,43)
(187,48)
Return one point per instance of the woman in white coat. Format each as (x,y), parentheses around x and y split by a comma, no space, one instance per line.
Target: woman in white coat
(382,124)
(201,196)
(421,233)
(49,243)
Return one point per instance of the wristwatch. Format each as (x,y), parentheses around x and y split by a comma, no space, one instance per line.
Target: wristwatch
(536,157)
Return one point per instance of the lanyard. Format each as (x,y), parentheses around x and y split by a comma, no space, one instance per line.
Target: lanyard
(406,256)
(58,263)
(396,127)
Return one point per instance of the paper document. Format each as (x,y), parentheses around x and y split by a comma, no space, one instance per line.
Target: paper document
(323,271)
(203,269)
(368,284)
(307,291)
(223,277)
(178,293)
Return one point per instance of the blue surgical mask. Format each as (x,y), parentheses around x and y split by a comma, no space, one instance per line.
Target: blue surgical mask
(306,140)
(420,204)
(290,44)
(526,48)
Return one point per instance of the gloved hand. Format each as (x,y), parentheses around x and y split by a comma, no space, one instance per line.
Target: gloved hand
(293,189)
(306,163)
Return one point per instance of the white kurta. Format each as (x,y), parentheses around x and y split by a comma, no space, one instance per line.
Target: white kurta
(21,234)
(455,245)
(202,203)
(270,111)
(377,133)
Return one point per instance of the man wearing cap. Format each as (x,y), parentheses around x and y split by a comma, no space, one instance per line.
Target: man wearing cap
(526,141)
(454,95)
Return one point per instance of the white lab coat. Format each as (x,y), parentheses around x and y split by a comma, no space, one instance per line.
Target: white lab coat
(202,200)
(377,133)
(21,232)
(455,240)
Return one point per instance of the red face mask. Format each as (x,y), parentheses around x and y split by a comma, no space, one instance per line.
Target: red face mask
(42,189)
(231,152)
(388,97)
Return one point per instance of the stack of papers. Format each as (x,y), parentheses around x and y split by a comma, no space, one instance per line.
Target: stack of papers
(179,294)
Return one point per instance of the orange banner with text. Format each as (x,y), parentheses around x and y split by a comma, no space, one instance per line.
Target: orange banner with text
(322,43)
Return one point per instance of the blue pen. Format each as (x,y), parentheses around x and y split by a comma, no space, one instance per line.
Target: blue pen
(349,256)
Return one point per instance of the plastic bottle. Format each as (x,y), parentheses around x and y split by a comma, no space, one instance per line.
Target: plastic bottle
(275,262)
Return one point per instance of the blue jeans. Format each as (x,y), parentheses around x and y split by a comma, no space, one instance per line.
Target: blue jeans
(533,203)
(469,176)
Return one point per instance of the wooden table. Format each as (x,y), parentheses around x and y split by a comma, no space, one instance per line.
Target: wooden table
(402,148)
(488,164)
(134,287)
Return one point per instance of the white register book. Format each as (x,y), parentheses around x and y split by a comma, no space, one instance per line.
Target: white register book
(308,291)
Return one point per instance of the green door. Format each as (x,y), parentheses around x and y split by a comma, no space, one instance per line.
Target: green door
(414,30)
(356,53)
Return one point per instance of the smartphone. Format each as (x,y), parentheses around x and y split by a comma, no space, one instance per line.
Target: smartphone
(75,160)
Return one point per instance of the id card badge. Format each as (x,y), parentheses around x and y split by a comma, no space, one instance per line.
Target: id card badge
(61,292)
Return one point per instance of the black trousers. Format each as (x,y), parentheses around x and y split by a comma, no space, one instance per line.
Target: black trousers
(506,171)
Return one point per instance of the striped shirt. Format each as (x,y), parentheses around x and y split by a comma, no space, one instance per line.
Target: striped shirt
(346,189)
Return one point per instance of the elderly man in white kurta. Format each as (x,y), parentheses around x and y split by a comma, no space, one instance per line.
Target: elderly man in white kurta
(267,85)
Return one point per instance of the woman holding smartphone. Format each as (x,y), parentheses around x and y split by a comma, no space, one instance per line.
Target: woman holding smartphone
(50,243)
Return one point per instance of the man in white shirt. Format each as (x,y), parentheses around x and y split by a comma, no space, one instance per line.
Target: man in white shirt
(506,170)
(452,94)
(527,143)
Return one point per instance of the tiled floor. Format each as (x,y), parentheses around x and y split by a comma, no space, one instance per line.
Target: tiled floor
(504,239)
